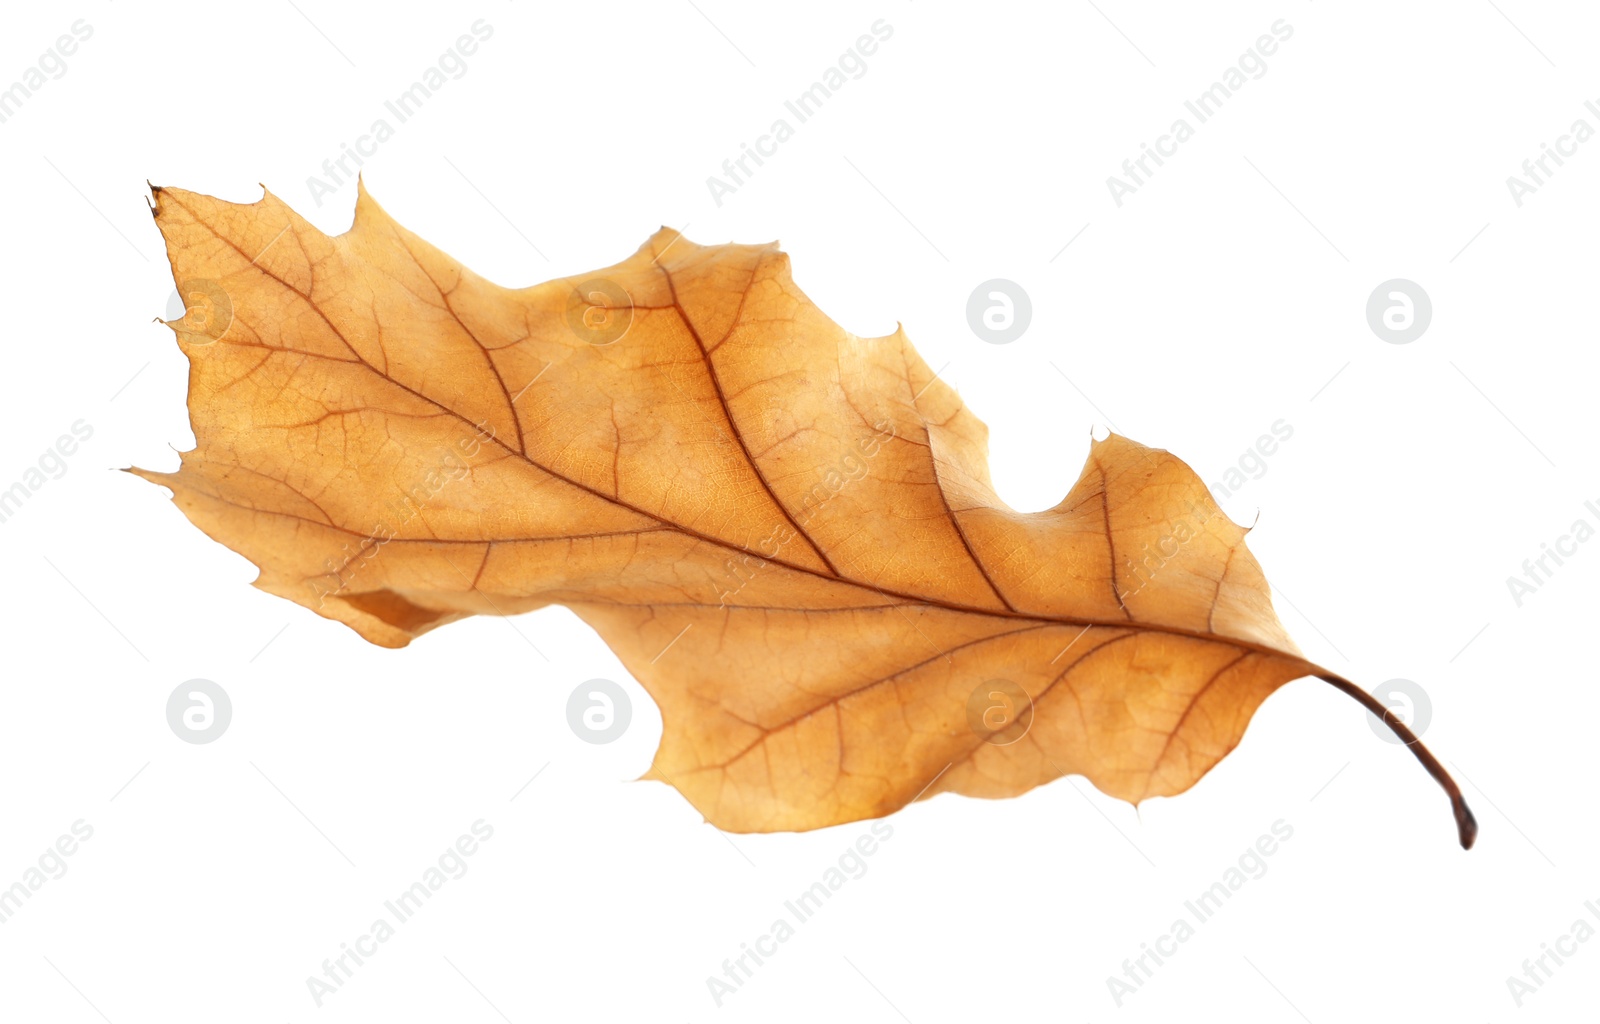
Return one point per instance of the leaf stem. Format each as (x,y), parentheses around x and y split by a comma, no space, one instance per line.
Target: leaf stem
(1466,824)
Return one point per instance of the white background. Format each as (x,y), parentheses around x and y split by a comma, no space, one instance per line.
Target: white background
(1227,293)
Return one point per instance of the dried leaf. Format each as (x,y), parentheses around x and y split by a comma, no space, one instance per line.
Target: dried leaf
(786,532)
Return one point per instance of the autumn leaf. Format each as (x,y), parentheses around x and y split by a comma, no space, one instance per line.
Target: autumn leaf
(786,532)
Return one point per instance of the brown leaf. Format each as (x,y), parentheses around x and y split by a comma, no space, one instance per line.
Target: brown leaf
(786,532)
